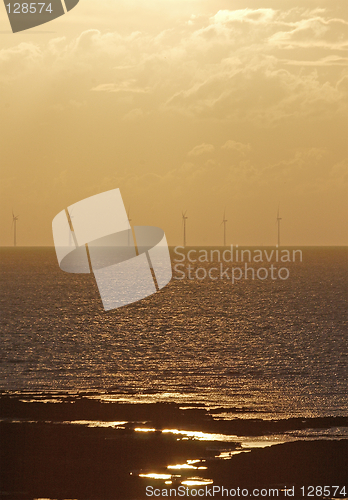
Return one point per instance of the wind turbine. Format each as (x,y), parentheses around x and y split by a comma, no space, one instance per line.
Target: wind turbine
(129,220)
(14,224)
(278,221)
(184,218)
(224,220)
(71,227)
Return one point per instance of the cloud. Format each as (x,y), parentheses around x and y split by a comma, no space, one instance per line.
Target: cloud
(236,146)
(333,60)
(201,149)
(237,65)
(313,32)
(19,60)
(261,92)
(253,16)
(127,86)
(133,115)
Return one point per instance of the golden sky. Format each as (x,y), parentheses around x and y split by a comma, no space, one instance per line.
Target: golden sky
(197,105)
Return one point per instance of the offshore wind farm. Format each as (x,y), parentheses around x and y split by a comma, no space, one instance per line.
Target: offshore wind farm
(184,218)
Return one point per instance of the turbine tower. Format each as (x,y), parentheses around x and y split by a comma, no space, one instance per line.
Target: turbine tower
(184,218)
(278,221)
(224,220)
(71,228)
(129,220)
(14,224)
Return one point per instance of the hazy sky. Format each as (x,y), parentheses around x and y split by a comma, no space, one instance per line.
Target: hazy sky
(197,105)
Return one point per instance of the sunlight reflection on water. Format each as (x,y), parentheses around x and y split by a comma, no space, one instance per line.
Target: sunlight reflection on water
(266,350)
(197,482)
(153,475)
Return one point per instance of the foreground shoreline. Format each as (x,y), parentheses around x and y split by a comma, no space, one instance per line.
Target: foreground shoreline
(90,450)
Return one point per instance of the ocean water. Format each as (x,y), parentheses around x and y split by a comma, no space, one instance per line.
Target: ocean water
(266,348)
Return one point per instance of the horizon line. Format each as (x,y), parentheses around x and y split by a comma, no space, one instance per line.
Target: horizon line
(205,246)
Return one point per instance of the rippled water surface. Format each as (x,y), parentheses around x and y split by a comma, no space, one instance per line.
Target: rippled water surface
(271,347)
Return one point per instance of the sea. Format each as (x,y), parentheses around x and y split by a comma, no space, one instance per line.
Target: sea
(268,348)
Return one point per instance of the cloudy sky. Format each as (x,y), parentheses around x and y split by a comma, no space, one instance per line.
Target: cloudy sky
(197,105)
